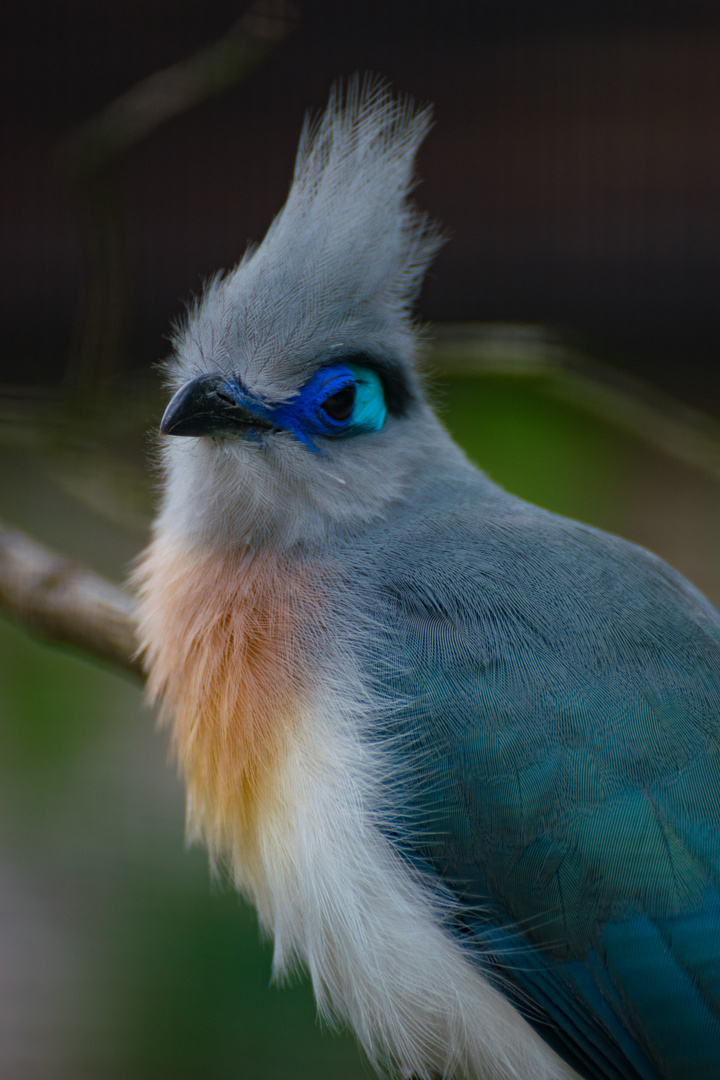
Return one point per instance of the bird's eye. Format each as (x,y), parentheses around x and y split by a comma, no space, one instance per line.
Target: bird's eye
(337,401)
(340,406)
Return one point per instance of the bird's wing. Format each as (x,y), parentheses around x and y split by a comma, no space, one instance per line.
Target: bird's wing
(562,725)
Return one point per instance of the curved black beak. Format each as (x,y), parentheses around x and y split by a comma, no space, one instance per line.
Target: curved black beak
(211,405)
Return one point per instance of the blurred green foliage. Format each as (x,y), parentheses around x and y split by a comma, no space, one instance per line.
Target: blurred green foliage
(538,448)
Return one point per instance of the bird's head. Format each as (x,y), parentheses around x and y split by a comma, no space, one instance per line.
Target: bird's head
(296,406)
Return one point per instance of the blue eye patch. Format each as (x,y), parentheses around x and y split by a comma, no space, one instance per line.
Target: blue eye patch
(337,401)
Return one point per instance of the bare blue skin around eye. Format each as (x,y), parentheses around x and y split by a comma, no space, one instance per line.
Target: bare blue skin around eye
(370,409)
(304,414)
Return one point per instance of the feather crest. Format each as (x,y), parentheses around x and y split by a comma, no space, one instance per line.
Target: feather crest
(341,263)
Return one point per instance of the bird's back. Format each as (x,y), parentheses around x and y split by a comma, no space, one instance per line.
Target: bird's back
(562,738)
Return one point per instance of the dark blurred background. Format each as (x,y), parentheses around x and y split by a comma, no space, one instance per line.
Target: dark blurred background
(575,164)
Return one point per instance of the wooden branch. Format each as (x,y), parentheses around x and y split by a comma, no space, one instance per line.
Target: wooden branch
(66,603)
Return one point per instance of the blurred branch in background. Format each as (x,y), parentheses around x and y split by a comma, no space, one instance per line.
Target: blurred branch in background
(531,352)
(94,152)
(66,603)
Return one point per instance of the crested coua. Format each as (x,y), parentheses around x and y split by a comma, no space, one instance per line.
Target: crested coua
(463,755)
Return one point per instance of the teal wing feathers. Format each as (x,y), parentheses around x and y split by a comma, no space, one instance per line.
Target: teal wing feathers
(562,724)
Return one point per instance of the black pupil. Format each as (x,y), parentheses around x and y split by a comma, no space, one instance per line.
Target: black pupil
(340,405)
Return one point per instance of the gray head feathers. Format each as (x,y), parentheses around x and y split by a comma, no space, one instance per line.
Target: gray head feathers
(332,283)
(340,265)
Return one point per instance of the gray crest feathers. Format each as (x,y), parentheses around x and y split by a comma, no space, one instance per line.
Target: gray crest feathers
(341,263)
(352,178)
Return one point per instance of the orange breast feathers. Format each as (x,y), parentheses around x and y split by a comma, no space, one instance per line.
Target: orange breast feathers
(224,653)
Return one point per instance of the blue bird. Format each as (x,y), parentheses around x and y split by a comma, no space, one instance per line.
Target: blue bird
(462,754)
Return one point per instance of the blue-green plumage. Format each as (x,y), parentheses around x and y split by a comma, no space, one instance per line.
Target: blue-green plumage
(561,735)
